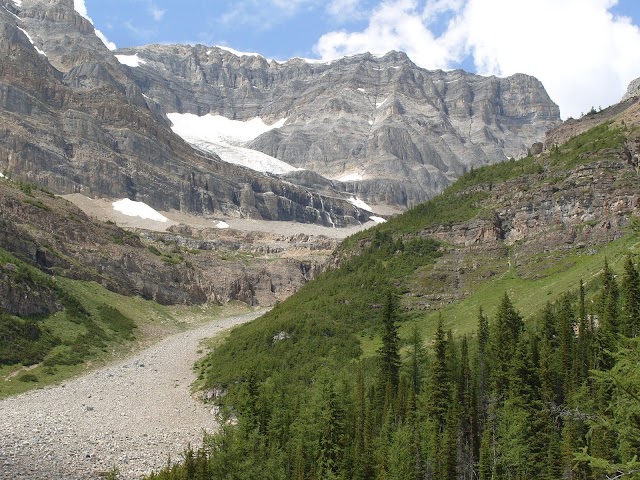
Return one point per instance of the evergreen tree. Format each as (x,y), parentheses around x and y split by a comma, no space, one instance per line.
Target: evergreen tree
(508,327)
(440,389)
(630,325)
(331,437)
(389,353)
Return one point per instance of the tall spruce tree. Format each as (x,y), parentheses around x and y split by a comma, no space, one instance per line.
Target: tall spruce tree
(389,353)
(630,325)
(508,327)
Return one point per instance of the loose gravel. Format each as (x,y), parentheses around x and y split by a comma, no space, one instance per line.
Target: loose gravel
(133,415)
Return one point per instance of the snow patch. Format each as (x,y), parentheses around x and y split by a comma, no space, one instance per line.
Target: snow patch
(356,202)
(138,209)
(226,138)
(221,224)
(41,52)
(130,60)
(17,3)
(362,90)
(377,219)
(219,129)
(238,53)
(9,11)
(245,157)
(370,122)
(351,177)
(379,104)
(2,175)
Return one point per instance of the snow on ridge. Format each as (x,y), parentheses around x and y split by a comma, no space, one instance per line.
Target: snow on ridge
(10,12)
(130,60)
(40,51)
(138,209)
(226,138)
(356,202)
(379,104)
(238,53)
(351,177)
(377,219)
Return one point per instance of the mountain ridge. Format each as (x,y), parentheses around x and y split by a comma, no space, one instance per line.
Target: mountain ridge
(407,130)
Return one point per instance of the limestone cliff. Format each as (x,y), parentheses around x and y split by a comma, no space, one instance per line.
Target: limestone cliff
(400,132)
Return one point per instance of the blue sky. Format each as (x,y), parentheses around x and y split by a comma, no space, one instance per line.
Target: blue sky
(584,51)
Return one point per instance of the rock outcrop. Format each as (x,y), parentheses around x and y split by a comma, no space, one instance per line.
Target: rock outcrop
(184,266)
(401,132)
(633,90)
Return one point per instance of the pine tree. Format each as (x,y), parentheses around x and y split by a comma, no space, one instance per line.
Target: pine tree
(631,300)
(331,435)
(389,353)
(482,366)
(565,327)
(418,358)
(584,339)
(508,327)
(440,388)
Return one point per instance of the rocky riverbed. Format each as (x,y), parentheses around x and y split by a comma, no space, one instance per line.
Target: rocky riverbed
(133,415)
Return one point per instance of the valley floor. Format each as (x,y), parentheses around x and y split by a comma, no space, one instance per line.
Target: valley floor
(134,415)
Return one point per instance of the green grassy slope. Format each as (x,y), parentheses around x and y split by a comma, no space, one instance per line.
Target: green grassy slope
(336,317)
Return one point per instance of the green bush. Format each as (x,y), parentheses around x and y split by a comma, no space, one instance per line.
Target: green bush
(117,321)
(28,377)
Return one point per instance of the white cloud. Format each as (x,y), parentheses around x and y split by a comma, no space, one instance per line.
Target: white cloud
(394,25)
(344,10)
(583,54)
(110,45)
(81,8)
(157,13)
(264,14)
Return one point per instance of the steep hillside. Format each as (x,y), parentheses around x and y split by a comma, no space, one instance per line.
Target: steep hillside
(378,127)
(518,226)
(338,381)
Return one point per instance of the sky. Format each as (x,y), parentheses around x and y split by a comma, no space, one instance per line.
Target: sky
(585,52)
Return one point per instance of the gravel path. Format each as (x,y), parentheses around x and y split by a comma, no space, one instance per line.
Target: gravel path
(133,414)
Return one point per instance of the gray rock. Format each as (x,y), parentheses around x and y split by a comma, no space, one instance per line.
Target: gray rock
(75,121)
(409,131)
(633,90)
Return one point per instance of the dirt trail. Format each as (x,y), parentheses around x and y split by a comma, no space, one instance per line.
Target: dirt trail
(132,414)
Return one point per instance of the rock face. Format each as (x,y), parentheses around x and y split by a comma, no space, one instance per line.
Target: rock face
(74,121)
(184,266)
(633,90)
(402,131)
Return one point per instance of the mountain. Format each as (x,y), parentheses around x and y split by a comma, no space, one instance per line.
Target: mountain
(76,122)
(377,127)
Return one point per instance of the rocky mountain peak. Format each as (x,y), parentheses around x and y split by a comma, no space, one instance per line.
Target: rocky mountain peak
(398,132)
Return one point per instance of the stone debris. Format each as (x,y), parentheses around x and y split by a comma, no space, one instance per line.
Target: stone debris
(123,415)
